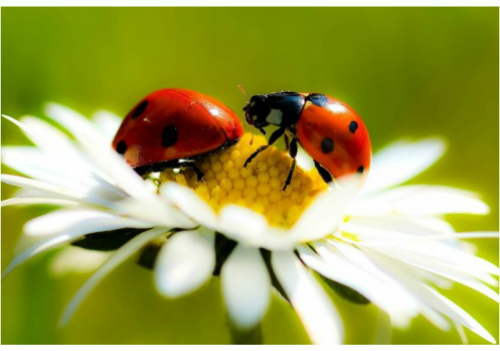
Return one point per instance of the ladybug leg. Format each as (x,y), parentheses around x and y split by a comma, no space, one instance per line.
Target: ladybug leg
(254,155)
(287,142)
(293,153)
(272,139)
(197,170)
(327,177)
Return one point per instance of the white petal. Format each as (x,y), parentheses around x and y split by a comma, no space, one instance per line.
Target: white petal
(190,203)
(402,224)
(240,219)
(402,161)
(434,279)
(130,182)
(434,299)
(456,313)
(368,235)
(424,246)
(429,313)
(31,162)
(440,200)
(57,145)
(150,211)
(79,222)
(46,137)
(251,228)
(360,259)
(22,201)
(38,249)
(452,272)
(37,188)
(117,169)
(304,161)
(314,307)
(107,122)
(324,214)
(111,263)
(246,286)
(23,193)
(78,125)
(379,288)
(461,236)
(14,121)
(441,253)
(42,187)
(73,259)
(461,333)
(184,263)
(419,200)
(435,318)
(435,224)
(106,190)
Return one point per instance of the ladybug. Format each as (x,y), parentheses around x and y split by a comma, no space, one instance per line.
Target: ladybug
(171,128)
(329,130)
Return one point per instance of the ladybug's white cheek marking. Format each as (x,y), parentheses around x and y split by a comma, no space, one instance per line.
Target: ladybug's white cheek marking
(275,117)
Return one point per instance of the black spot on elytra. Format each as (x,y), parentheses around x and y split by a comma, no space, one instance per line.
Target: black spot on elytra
(361,169)
(169,136)
(317,99)
(353,126)
(121,147)
(327,145)
(140,109)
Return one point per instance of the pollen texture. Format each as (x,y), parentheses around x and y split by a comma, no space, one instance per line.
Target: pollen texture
(258,186)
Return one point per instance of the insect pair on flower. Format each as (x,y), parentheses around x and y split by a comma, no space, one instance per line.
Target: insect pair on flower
(172,128)
(389,242)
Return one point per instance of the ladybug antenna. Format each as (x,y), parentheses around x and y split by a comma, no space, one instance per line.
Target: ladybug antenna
(252,130)
(243,92)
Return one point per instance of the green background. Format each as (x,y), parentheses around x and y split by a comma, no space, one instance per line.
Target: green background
(413,72)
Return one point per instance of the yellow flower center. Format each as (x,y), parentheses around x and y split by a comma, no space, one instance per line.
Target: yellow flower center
(258,186)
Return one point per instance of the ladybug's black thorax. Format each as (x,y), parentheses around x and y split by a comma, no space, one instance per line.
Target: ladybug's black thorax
(280,109)
(290,105)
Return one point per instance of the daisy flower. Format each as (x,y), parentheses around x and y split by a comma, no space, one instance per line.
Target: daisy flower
(386,244)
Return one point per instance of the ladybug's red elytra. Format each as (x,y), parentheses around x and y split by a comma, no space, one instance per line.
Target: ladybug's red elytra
(329,130)
(170,128)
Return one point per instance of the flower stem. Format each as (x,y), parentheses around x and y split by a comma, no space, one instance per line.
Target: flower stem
(245,337)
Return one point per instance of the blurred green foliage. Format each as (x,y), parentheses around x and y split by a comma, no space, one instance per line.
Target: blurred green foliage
(413,72)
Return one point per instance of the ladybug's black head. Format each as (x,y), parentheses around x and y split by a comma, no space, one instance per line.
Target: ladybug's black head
(257,110)
(280,109)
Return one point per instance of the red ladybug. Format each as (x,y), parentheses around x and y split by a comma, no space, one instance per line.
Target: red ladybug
(329,130)
(170,128)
